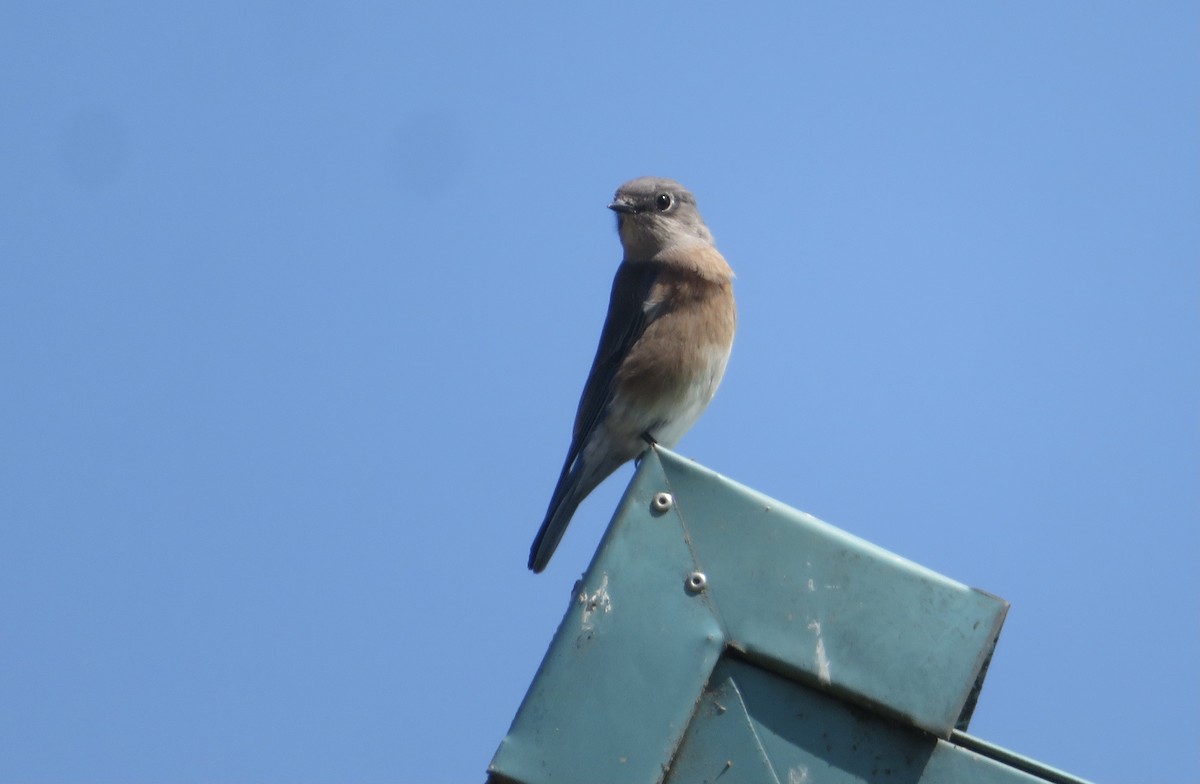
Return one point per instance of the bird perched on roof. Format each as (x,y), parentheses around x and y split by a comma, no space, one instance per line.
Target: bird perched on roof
(662,352)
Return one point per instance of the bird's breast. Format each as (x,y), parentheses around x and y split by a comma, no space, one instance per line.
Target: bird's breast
(672,372)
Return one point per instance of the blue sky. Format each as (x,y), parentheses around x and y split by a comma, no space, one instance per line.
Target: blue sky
(297,300)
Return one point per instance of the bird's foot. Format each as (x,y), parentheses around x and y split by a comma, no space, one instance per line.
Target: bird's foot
(650,444)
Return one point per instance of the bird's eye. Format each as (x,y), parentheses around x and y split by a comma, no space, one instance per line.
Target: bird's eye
(663,201)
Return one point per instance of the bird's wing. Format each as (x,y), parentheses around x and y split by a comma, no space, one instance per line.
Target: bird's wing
(629,311)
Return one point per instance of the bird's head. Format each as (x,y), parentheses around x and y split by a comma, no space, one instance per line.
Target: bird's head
(656,214)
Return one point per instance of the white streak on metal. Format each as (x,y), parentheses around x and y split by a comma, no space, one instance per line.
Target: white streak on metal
(822,658)
(597,601)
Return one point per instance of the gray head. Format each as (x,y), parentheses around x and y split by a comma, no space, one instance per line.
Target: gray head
(656,214)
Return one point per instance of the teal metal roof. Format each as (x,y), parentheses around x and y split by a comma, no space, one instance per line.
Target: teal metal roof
(721,635)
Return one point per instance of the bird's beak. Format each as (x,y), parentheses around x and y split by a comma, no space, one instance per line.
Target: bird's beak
(623,207)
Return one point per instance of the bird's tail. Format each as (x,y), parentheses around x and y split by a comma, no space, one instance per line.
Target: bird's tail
(568,493)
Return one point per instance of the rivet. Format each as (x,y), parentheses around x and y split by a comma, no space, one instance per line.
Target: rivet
(696,582)
(662,502)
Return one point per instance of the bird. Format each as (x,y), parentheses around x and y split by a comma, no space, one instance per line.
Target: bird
(663,349)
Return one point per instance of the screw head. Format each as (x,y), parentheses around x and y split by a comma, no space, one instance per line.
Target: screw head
(661,502)
(696,581)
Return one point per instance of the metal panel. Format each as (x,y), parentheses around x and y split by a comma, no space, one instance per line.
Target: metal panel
(721,742)
(815,602)
(755,727)
(839,661)
(621,678)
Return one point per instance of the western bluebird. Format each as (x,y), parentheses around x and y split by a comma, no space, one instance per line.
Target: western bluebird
(662,352)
